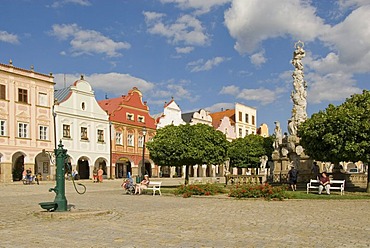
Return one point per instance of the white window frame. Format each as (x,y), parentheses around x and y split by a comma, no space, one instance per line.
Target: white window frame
(140,118)
(100,134)
(69,131)
(119,138)
(130,139)
(43,133)
(84,135)
(140,141)
(130,117)
(22,130)
(2,128)
(43,99)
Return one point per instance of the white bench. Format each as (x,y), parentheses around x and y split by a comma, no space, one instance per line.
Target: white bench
(334,184)
(155,186)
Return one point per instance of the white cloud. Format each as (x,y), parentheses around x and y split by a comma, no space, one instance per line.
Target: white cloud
(262,95)
(220,107)
(9,38)
(253,21)
(201,7)
(187,49)
(187,29)
(88,41)
(200,65)
(114,83)
(330,87)
(352,3)
(178,89)
(152,16)
(58,4)
(350,41)
(258,58)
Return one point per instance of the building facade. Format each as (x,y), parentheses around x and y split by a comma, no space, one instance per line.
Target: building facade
(171,115)
(83,128)
(26,123)
(201,116)
(131,127)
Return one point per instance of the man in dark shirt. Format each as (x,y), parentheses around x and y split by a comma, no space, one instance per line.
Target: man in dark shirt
(293,176)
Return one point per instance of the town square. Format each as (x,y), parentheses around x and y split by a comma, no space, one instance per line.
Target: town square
(105,217)
(181,123)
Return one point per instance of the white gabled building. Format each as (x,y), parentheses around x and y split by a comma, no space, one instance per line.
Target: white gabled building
(201,116)
(83,127)
(171,115)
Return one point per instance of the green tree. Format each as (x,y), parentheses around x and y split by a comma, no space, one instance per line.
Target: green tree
(188,145)
(246,152)
(339,133)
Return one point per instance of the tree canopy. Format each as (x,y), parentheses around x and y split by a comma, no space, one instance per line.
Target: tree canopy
(247,151)
(339,133)
(188,145)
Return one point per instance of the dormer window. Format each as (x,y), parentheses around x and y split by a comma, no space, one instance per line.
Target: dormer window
(130,116)
(140,119)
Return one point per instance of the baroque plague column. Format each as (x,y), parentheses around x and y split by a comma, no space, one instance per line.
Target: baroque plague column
(287,150)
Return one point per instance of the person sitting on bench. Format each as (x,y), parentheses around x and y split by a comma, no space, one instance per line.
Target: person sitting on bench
(324,183)
(143,185)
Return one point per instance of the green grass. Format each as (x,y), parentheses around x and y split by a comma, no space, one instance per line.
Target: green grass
(333,195)
(300,194)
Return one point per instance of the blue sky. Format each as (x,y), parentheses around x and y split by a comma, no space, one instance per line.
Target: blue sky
(205,53)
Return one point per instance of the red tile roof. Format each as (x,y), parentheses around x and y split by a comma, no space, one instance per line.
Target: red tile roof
(117,109)
(217,116)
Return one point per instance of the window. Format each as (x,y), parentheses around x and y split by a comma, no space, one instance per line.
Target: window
(118,138)
(240,132)
(130,140)
(66,131)
(2,92)
(246,118)
(240,116)
(43,131)
(22,130)
(253,120)
(2,128)
(246,131)
(100,135)
(43,99)
(84,133)
(140,119)
(22,96)
(141,141)
(130,117)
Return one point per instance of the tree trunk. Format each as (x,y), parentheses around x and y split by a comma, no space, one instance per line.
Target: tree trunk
(186,174)
(368,179)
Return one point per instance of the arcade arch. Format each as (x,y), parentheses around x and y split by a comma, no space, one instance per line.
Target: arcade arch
(18,159)
(123,167)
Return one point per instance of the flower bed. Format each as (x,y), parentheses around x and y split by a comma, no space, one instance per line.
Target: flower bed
(258,191)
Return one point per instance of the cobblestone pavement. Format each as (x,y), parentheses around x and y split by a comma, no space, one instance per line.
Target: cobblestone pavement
(105,217)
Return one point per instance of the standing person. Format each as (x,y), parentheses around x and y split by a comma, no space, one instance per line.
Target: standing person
(24,174)
(100,175)
(315,170)
(324,183)
(95,175)
(293,176)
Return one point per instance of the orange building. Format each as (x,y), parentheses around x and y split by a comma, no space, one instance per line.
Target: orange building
(131,126)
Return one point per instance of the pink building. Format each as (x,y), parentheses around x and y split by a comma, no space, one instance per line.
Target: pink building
(26,122)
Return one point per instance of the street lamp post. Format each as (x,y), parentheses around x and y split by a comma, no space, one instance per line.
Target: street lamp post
(143,159)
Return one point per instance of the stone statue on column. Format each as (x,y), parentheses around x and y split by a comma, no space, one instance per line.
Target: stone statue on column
(299,92)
